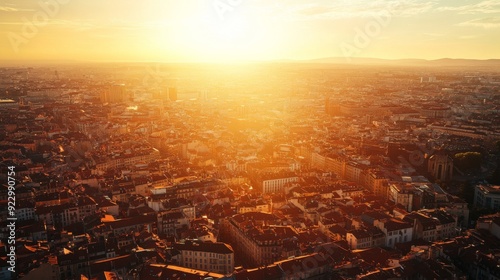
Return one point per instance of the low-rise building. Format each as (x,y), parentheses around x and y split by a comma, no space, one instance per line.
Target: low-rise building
(395,231)
(217,257)
(487,196)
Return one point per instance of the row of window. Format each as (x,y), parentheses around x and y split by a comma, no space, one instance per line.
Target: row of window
(205,254)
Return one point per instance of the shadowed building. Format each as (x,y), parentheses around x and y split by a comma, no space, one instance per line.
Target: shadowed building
(440,166)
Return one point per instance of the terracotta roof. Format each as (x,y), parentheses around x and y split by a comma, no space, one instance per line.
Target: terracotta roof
(127,261)
(172,272)
(271,272)
(134,221)
(219,247)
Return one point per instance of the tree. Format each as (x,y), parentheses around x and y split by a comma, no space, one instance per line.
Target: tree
(468,161)
(495,177)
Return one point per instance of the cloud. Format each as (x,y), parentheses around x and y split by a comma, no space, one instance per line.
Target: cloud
(342,9)
(7,9)
(482,22)
(483,7)
(315,10)
(434,34)
(468,37)
(14,10)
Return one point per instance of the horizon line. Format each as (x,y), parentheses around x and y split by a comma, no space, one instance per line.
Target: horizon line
(347,60)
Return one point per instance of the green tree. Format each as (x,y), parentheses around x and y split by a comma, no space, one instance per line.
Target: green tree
(468,161)
(495,177)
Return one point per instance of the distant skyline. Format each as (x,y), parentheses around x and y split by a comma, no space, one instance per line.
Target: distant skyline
(247,30)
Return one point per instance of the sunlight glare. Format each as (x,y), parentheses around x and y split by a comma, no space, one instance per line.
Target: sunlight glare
(213,38)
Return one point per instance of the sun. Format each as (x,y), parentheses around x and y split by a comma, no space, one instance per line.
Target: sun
(237,36)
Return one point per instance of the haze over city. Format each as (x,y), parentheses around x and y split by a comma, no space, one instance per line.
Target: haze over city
(251,30)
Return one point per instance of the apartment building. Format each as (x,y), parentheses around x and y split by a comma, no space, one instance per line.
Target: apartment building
(216,257)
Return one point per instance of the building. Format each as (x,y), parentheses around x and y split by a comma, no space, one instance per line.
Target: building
(402,194)
(353,171)
(275,182)
(126,225)
(216,257)
(257,238)
(435,112)
(487,196)
(365,238)
(117,162)
(446,226)
(440,166)
(169,222)
(115,94)
(490,223)
(377,182)
(172,94)
(424,227)
(395,231)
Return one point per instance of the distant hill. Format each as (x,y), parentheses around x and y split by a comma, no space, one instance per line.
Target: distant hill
(446,62)
(353,61)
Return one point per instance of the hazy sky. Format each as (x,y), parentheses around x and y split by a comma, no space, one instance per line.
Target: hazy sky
(228,30)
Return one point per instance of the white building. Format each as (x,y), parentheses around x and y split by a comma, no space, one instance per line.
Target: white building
(395,231)
(277,185)
(487,196)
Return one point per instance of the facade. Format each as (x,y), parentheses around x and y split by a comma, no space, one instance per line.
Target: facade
(365,238)
(395,231)
(127,160)
(257,245)
(115,94)
(487,196)
(490,223)
(353,172)
(359,239)
(170,221)
(377,183)
(424,227)
(440,166)
(446,224)
(216,257)
(276,185)
(402,194)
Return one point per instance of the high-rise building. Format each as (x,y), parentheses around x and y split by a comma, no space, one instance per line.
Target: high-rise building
(172,94)
(115,94)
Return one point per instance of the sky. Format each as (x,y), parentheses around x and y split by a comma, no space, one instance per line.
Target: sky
(247,30)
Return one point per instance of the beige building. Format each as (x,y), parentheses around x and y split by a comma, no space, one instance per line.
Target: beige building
(215,257)
(257,238)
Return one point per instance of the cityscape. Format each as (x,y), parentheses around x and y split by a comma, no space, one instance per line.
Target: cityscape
(244,157)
